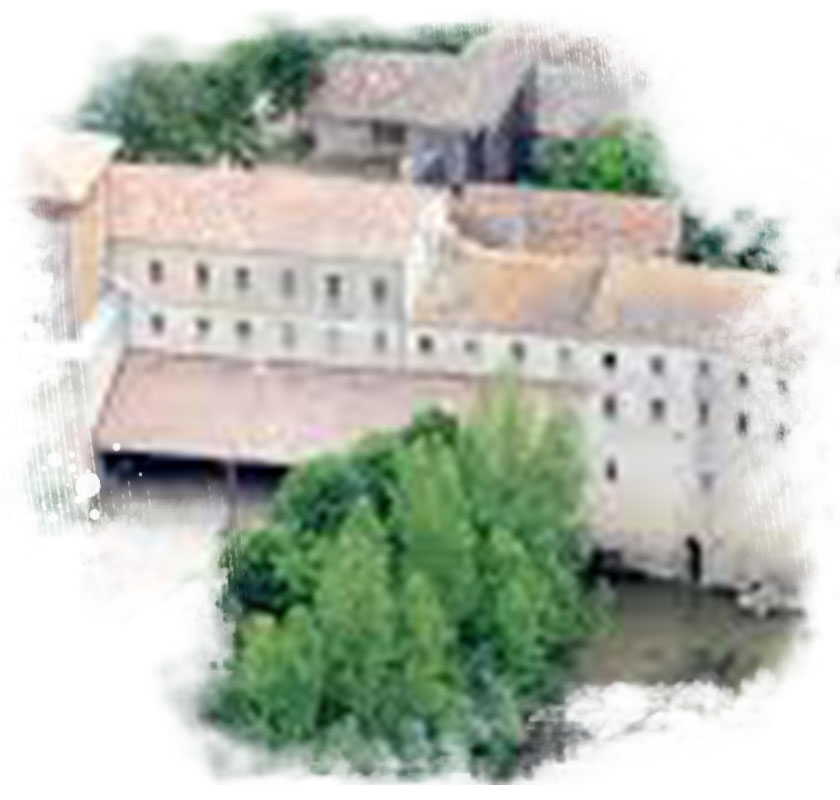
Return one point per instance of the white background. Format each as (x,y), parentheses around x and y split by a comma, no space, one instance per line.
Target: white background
(746,96)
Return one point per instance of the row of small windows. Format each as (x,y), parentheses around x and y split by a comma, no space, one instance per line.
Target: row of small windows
(244,330)
(658,408)
(333,283)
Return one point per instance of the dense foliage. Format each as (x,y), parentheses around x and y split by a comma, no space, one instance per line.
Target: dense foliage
(412,602)
(168,108)
(626,158)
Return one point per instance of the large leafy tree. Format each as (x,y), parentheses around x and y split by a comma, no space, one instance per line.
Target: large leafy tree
(439,569)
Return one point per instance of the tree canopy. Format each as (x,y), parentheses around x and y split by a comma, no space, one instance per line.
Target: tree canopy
(411,602)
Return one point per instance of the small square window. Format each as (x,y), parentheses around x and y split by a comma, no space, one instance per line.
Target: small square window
(426,344)
(743,380)
(157,322)
(202,327)
(156,271)
(202,276)
(244,329)
(657,409)
(610,361)
(610,406)
(472,348)
(657,365)
(611,470)
(742,424)
(243,279)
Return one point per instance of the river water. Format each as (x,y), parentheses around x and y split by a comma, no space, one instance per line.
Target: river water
(155,564)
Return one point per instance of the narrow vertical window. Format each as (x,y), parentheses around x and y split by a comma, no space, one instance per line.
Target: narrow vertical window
(157,322)
(202,276)
(380,342)
(156,271)
(243,279)
(333,283)
(288,284)
(657,409)
(743,380)
(657,365)
(781,432)
(379,291)
(611,470)
(288,335)
(610,406)
(742,424)
(703,413)
(704,368)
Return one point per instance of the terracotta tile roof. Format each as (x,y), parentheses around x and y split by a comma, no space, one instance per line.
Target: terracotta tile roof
(429,90)
(567,222)
(228,409)
(267,208)
(61,166)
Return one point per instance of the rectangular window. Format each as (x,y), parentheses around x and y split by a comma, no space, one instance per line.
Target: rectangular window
(781,432)
(657,409)
(657,365)
(380,342)
(703,413)
(707,481)
(202,276)
(611,470)
(743,380)
(782,385)
(742,424)
(244,330)
(388,133)
(379,291)
(517,352)
(334,286)
(472,348)
(202,327)
(426,344)
(243,279)
(288,335)
(157,322)
(610,407)
(288,284)
(156,271)
(610,361)
(704,369)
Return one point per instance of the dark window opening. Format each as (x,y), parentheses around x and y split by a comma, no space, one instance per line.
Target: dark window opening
(657,409)
(783,386)
(564,355)
(158,323)
(334,288)
(202,327)
(694,552)
(743,380)
(707,481)
(244,329)
(426,344)
(704,368)
(610,406)
(243,279)
(611,470)
(703,413)
(388,133)
(287,283)
(742,424)
(781,432)
(380,342)
(156,271)
(517,350)
(610,361)
(379,291)
(471,347)
(657,365)
(202,276)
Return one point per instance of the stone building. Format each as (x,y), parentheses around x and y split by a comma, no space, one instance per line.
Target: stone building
(442,118)
(273,313)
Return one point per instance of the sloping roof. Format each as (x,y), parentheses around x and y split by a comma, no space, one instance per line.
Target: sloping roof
(61,166)
(430,90)
(557,222)
(268,208)
(277,414)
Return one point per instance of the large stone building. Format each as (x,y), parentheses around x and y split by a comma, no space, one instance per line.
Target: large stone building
(269,314)
(442,118)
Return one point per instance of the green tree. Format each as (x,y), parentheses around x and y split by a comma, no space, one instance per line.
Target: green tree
(355,610)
